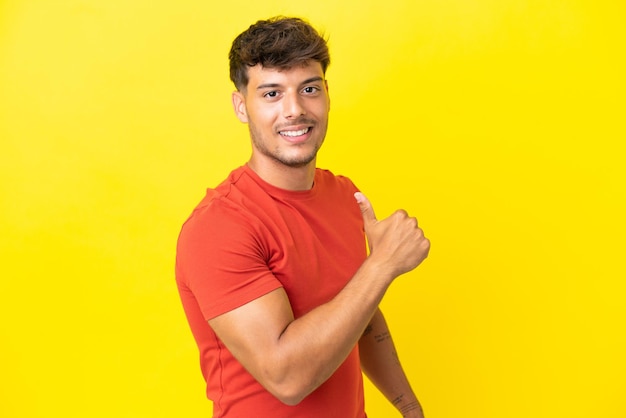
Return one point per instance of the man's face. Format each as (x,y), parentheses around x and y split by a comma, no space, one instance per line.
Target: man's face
(286,111)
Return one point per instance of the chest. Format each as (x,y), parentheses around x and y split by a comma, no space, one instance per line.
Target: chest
(314,251)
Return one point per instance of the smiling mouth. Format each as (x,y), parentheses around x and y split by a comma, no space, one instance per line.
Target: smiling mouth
(293,134)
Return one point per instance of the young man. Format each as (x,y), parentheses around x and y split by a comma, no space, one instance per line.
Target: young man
(272,266)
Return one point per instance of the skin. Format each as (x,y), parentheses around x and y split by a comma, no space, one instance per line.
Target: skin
(292,357)
(275,103)
(380,362)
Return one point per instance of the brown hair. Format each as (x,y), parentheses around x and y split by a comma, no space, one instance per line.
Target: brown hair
(279,42)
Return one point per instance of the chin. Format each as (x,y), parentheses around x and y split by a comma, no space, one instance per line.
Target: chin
(298,161)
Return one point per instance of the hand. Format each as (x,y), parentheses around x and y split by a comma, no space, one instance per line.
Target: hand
(397,241)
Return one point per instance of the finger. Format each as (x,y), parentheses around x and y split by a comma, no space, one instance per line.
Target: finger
(369,217)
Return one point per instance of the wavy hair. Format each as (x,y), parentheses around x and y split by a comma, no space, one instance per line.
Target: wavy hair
(279,42)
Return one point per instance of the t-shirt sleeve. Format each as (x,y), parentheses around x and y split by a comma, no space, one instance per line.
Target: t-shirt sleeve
(221,259)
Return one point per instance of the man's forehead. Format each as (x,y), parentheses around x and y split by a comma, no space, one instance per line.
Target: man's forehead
(259,75)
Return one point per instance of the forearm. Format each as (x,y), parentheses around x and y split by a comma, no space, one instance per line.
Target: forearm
(381,364)
(313,346)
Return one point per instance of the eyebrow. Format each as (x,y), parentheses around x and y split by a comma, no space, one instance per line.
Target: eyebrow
(274,85)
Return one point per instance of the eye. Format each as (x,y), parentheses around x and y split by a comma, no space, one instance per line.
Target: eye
(310,90)
(271,94)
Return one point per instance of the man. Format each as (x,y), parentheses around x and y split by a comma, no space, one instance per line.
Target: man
(272,266)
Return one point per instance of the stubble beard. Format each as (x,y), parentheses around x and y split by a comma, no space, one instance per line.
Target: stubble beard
(276,154)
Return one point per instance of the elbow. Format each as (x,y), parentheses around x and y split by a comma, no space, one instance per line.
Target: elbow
(291,399)
(289,394)
(290,389)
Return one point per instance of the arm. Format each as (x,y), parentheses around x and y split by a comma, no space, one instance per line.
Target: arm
(292,357)
(380,362)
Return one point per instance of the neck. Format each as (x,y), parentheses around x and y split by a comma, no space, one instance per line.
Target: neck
(284,177)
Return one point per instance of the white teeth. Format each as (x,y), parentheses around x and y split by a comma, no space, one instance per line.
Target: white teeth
(295,133)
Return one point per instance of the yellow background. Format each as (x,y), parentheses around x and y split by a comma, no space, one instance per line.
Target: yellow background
(498,123)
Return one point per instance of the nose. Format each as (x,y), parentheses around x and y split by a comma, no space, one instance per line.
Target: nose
(293,106)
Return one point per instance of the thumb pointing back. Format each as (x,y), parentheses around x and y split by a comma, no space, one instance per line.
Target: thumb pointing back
(369,217)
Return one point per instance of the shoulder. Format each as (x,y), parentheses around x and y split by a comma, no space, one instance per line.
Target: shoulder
(224,211)
(226,201)
(329,179)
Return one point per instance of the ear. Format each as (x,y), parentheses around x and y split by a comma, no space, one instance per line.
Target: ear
(239,105)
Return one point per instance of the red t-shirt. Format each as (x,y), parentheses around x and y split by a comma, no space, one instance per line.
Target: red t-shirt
(247,238)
